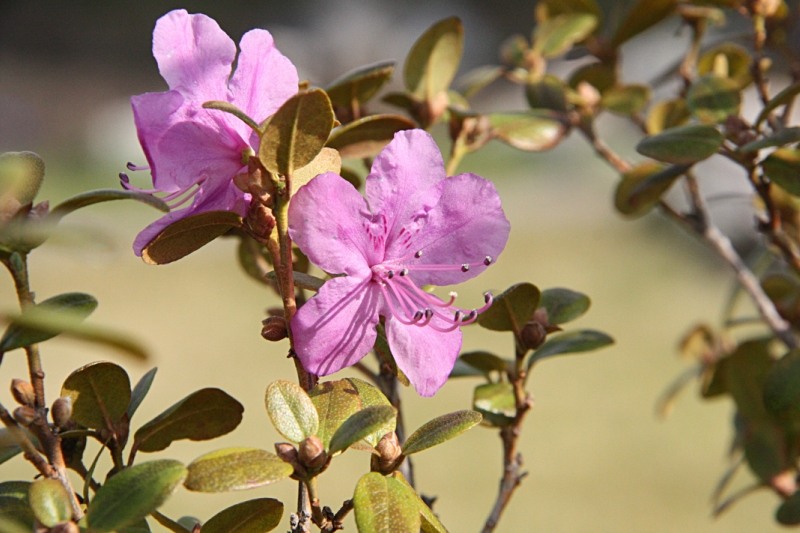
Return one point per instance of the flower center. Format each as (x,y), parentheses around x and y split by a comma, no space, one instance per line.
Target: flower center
(413,306)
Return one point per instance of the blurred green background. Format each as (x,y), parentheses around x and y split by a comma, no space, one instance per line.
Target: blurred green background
(598,457)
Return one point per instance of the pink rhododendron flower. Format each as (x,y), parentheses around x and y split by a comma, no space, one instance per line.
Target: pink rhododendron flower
(194,153)
(416,227)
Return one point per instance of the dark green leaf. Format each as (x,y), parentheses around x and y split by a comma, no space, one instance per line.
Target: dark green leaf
(557,35)
(584,340)
(8,446)
(782,386)
(530,131)
(440,429)
(563,305)
(205,414)
(742,375)
(47,319)
(514,51)
(784,97)
(713,99)
(626,100)
(463,370)
(496,402)
(667,114)
(139,526)
(103,195)
(547,93)
(50,502)
(367,136)
(479,78)
(642,16)
(781,138)
(15,515)
(15,489)
(359,85)
(188,235)
(788,512)
(553,8)
(783,167)
(133,494)
(252,516)
(601,76)
(641,188)
(765,449)
(727,60)
(360,425)
(682,145)
(297,132)
(383,504)
(485,362)
(21,176)
(291,410)
(100,394)
(512,309)
(433,60)
(235,469)
(140,391)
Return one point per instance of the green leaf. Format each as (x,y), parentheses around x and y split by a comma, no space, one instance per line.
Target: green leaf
(205,414)
(780,138)
(643,15)
(478,79)
(552,8)
(601,76)
(133,494)
(496,402)
(103,195)
(8,446)
(784,97)
(297,132)
(15,515)
(433,60)
(626,100)
(252,516)
(430,522)
(782,386)
(47,319)
(742,375)
(50,502)
(100,394)
(235,469)
(532,131)
(188,235)
(439,430)
(15,489)
(727,60)
(563,305)
(361,424)
(713,99)
(291,410)
(667,114)
(383,504)
(584,340)
(765,449)
(359,85)
(512,309)
(682,145)
(140,391)
(547,93)
(485,362)
(327,160)
(367,136)
(555,36)
(783,167)
(641,187)
(788,512)
(21,176)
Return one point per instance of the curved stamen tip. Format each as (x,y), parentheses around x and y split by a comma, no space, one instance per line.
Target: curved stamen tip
(418,254)
(465,267)
(418,316)
(428,313)
(390,274)
(404,272)
(457,316)
(471,316)
(124,178)
(488,260)
(488,298)
(131,165)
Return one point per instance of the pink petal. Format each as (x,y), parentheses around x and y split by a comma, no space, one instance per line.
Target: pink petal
(401,177)
(264,78)
(336,327)
(329,221)
(194,55)
(465,225)
(425,356)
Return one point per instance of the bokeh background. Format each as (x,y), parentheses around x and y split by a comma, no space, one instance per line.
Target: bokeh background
(598,457)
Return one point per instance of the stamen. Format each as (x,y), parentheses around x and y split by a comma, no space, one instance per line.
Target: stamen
(404,272)
(418,254)
(390,274)
(124,179)
(487,260)
(457,315)
(465,267)
(134,167)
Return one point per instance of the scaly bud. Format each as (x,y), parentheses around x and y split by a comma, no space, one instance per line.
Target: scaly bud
(62,412)
(22,391)
(312,453)
(25,415)
(390,454)
(274,328)
(288,453)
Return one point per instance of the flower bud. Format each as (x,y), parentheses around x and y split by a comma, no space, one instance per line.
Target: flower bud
(535,332)
(25,415)
(312,453)
(21,175)
(62,411)
(390,454)
(22,391)
(288,453)
(274,328)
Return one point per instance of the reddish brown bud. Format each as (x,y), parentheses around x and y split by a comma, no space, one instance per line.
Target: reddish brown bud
(390,454)
(22,391)
(25,415)
(288,453)
(535,332)
(62,412)
(312,453)
(274,328)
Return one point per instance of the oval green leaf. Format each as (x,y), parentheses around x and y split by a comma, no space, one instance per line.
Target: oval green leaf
(235,469)
(291,410)
(140,391)
(188,235)
(433,60)
(584,340)
(780,138)
(430,522)
(782,386)
(496,402)
(641,188)
(601,76)
(327,160)
(788,512)
(359,85)
(253,516)
(512,309)
(47,319)
(626,100)
(682,145)
(547,93)
(383,504)
(712,99)
(205,414)
(360,425)
(367,136)
(556,36)
(528,131)
(667,114)
(50,502)
(485,362)
(100,394)
(440,429)
(784,97)
(15,515)
(133,493)
(296,133)
(733,60)
(21,176)
(563,305)
(783,167)
(642,16)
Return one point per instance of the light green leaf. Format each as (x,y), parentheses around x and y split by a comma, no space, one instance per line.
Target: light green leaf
(512,309)
(367,136)
(47,319)
(555,36)
(439,430)
(50,502)
(252,516)
(433,60)
(383,504)
(361,424)
(682,145)
(235,469)
(291,410)
(584,340)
